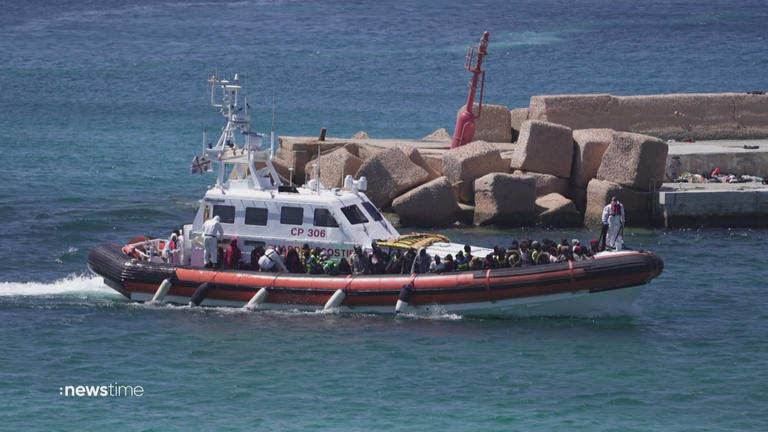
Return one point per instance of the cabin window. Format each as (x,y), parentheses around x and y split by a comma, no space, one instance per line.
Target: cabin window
(256,216)
(292,216)
(371,209)
(226,213)
(324,218)
(354,215)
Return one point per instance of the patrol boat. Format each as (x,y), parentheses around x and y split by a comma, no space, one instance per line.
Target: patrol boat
(259,209)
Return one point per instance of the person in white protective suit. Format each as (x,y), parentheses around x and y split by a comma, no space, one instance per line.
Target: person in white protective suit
(271,261)
(614,217)
(212,232)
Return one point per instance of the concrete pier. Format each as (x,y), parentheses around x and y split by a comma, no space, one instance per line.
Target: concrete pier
(737,157)
(714,205)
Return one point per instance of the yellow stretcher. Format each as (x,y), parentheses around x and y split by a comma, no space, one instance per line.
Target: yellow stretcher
(414,240)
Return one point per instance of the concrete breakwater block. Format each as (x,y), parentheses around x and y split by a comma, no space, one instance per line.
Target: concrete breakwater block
(464,191)
(390,173)
(431,204)
(634,160)
(434,159)
(494,123)
(334,166)
(439,135)
(545,148)
(579,197)
(366,151)
(298,151)
(698,116)
(472,161)
(518,117)
(555,210)
(545,183)
(505,199)
(582,111)
(415,156)
(599,194)
(353,149)
(589,146)
(283,169)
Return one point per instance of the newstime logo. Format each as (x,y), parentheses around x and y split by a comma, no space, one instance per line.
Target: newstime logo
(111,390)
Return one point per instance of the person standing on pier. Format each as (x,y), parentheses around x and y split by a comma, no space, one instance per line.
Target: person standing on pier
(614,218)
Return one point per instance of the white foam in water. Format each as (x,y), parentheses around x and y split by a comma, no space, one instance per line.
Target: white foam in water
(73,284)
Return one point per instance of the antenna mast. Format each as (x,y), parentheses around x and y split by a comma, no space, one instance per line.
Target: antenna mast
(272,135)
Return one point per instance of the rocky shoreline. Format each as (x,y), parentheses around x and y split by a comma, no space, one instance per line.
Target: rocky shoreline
(571,154)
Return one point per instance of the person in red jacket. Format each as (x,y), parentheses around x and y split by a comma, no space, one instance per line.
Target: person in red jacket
(233,256)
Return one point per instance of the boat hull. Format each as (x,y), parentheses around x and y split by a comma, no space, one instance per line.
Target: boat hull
(605,284)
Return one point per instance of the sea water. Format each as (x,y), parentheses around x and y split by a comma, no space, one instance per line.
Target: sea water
(103,106)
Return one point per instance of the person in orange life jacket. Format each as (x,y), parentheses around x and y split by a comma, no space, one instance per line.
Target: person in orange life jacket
(615,217)
(233,255)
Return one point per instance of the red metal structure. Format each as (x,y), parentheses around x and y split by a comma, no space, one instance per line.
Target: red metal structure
(465,124)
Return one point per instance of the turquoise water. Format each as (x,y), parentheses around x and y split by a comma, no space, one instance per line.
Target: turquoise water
(102,108)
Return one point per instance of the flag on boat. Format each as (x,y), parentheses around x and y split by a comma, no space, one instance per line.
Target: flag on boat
(201,165)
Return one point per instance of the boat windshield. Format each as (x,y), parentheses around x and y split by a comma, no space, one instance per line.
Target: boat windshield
(371,209)
(324,218)
(354,215)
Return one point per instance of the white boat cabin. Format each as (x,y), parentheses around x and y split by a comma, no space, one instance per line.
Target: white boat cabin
(334,220)
(255,206)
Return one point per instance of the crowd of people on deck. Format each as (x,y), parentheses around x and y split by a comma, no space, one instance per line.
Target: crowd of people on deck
(399,261)
(402,261)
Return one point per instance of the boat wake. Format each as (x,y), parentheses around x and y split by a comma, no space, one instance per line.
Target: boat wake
(436,314)
(77,285)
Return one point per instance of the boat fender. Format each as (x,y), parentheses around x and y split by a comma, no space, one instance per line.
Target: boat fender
(404,298)
(258,299)
(336,299)
(162,290)
(200,294)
